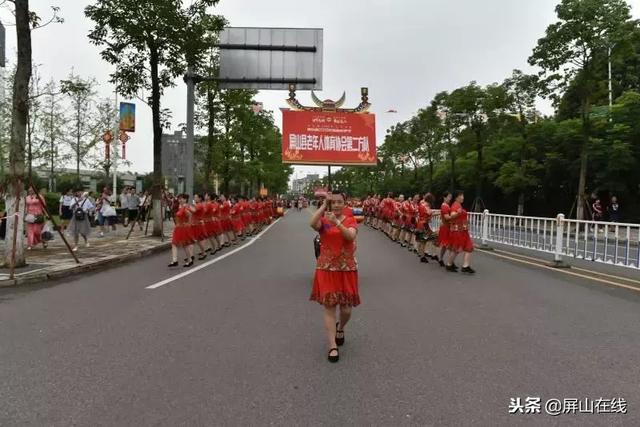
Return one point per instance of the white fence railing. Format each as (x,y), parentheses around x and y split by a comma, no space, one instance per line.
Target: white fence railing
(606,242)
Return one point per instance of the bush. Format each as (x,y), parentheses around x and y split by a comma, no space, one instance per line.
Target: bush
(53,202)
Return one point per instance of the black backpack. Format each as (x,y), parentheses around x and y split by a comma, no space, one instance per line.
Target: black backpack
(79,213)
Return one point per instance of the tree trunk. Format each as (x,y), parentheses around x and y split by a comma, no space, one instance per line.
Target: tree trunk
(157,142)
(479,171)
(19,119)
(521,204)
(582,180)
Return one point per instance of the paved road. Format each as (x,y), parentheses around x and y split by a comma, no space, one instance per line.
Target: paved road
(237,343)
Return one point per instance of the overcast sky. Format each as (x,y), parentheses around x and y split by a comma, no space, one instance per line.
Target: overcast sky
(404,51)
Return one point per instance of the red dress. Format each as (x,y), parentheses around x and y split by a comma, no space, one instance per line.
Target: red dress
(236,218)
(197,223)
(215,215)
(225,216)
(182,231)
(443,232)
(423,213)
(459,238)
(246,214)
(336,276)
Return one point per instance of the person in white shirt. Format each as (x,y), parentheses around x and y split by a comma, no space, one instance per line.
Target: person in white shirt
(64,210)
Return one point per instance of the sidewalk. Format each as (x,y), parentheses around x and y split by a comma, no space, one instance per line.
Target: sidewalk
(55,262)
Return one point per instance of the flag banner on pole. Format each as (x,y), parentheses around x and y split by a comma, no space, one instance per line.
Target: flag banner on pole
(326,138)
(127,117)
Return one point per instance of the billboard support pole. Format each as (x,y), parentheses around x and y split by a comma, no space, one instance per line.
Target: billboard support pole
(329,188)
(190,80)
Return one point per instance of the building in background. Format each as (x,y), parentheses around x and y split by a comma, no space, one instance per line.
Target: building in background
(302,185)
(174,150)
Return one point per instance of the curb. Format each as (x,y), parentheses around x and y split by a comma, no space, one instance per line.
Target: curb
(102,264)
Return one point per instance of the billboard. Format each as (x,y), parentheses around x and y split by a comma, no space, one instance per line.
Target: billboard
(270,58)
(326,138)
(127,117)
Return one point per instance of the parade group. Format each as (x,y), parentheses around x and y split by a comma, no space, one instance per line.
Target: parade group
(409,223)
(213,222)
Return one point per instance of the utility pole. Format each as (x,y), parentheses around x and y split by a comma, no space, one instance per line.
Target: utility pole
(190,81)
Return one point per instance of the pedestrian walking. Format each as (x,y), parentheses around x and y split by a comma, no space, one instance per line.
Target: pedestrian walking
(182,235)
(108,215)
(443,232)
(64,209)
(613,210)
(79,224)
(459,238)
(335,282)
(34,219)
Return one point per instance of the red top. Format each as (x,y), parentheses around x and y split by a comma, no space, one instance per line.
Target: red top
(224,210)
(460,219)
(445,209)
(347,211)
(198,215)
(407,208)
(182,216)
(336,253)
(423,211)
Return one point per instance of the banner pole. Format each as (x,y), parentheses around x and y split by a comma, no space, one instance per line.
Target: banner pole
(329,179)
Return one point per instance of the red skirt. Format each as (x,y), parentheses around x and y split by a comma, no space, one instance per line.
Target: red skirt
(443,236)
(460,241)
(246,219)
(331,288)
(198,232)
(182,236)
(238,225)
(227,225)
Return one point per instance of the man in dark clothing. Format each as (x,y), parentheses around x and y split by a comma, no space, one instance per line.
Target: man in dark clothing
(614,210)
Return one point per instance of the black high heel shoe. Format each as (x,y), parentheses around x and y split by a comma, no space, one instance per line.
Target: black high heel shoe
(173,264)
(189,264)
(339,340)
(333,359)
(202,256)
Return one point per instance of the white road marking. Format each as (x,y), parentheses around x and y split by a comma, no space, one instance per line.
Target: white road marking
(213,261)
(564,271)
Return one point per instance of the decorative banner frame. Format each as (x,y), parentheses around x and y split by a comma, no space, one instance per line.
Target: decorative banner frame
(328,138)
(127,117)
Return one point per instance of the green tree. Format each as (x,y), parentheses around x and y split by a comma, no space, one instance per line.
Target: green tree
(568,52)
(151,43)
(81,93)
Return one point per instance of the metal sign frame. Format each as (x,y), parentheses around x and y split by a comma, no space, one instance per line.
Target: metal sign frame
(270,58)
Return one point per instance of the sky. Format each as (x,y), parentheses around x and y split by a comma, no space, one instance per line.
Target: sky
(404,51)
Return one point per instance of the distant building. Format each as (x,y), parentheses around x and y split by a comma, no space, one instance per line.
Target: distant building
(174,150)
(299,186)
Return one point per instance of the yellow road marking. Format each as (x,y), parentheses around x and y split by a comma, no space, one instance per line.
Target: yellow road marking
(564,271)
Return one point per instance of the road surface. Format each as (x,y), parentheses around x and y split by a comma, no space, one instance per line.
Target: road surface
(238,343)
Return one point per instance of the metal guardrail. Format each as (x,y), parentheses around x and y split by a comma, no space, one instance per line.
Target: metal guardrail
(607,242)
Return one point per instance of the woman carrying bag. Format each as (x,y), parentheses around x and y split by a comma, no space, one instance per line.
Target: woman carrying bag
(79,225)
(35,220)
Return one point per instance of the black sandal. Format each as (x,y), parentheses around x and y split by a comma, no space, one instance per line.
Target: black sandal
(189,264)
(173,264)
(333,359)
(339,341)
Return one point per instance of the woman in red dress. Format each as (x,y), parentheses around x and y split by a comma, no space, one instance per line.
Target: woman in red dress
(210,220)
(198,230)
(336,276)
(182,237)
(459,238)
(236,219)
(443,232)
(225,217)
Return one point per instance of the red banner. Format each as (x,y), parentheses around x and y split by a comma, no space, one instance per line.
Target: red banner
(314,137)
